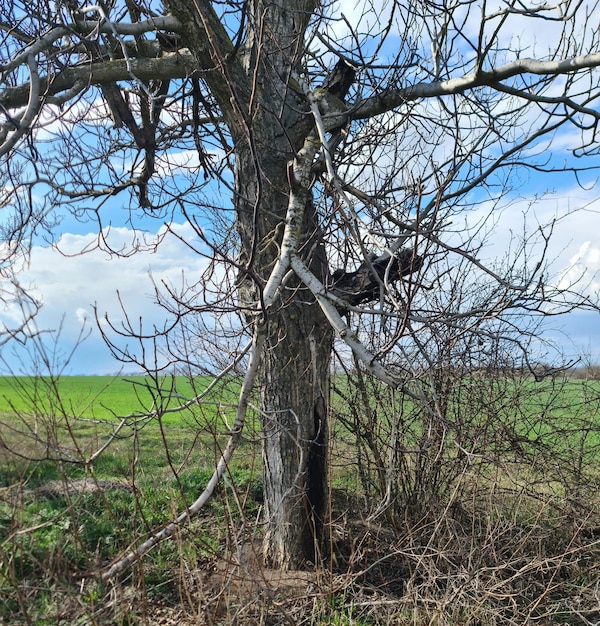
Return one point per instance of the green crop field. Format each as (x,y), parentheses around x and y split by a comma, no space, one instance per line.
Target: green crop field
(103,397)
(156,421)
(90,466)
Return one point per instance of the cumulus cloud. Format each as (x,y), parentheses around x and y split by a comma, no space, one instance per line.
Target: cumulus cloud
(583,269)
(83,315)
(70,285)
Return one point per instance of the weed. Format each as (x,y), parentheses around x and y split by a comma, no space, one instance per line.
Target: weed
(500,532)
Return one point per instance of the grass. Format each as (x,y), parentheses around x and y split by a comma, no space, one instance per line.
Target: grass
(55,508)
(80,414)
(504,540)
(61,517)
(105,397)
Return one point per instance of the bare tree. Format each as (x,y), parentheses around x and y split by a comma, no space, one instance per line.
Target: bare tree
(346,146)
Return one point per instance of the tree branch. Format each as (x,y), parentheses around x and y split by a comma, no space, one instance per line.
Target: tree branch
(383,102)
(23,123)
(45,42)
(335,319)
(207,39)
(364,284)
(240,417)
(173,65)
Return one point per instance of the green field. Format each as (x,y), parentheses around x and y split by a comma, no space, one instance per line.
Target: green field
(103,397)
(504,496)
(109,396)
(72,419)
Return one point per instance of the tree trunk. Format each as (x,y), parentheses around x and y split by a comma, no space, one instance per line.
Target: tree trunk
(294,373)
(269,121)
(294,402)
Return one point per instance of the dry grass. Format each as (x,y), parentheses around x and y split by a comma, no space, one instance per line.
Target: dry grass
(513,539)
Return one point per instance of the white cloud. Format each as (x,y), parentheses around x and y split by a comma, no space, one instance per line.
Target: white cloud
(514,235)
(83,315)
(583,269)
(70,285)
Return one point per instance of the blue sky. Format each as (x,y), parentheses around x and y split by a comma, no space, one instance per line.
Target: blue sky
(68,287)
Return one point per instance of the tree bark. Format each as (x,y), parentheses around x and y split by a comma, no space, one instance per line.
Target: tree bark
(294,401)
(294,372)
(269,122)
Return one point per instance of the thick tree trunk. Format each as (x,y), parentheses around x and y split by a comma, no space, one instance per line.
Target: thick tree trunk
(294,394)
(294,373)
(269,121)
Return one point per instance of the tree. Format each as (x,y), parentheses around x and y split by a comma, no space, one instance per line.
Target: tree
(347,145)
